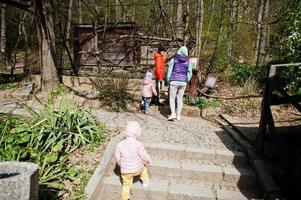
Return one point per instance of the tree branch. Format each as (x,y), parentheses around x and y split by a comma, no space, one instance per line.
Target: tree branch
(237,97)
(16,4)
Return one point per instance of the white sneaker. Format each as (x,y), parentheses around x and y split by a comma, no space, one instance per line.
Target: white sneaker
(171,118)
(145,184)
(179,118)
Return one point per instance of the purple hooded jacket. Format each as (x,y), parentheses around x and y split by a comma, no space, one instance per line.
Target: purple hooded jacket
(179,71)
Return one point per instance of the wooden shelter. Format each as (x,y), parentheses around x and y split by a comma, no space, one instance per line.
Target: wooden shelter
(115,45)
(104,45)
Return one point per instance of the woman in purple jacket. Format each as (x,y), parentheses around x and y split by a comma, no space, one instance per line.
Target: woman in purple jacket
(178,74)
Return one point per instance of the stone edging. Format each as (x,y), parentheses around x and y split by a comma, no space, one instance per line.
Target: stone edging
(101,169)
(20,180)
(269,188)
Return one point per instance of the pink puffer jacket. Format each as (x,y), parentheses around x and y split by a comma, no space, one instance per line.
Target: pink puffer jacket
(130,153)
(148,88)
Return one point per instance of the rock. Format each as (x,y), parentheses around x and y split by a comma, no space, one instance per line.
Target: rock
(19,181)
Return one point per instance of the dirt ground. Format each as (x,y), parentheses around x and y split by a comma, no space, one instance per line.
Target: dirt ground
(248,108)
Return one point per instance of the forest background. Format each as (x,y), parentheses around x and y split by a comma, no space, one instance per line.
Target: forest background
(238,35)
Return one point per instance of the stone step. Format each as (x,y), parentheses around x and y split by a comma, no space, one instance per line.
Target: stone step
(186,172)
(223,157)
(200,173)
(170,190)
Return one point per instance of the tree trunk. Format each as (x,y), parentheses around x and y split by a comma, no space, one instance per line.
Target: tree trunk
(68,29)
(258,26)
(27,51)
(211,12)
(231,29)
(80,12)
(3,32)
(49,67)
(179,20)
(186,24)
(216,45)
(263,35)
(118,14)
(199,26)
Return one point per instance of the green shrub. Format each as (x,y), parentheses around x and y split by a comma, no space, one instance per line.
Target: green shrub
(48,137)
(229,110)
(220,64)
(201,102)
(242,72)
(7,86)
(289,78)
(113,91)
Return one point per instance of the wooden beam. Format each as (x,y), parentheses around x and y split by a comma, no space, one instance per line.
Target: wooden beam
(286,65)
(273,68)
(276,100)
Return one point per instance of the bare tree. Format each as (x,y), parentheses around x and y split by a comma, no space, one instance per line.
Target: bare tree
(179,20)
(27,49)
(211,12)
(186,23)
(118,11)
(3,31)
(263,34)
(67,29)
(259,26)
(199,26)
(49,66)
(232,18)
(218,36)
(80,12)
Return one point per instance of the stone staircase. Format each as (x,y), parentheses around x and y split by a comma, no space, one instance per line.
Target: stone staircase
(183,172)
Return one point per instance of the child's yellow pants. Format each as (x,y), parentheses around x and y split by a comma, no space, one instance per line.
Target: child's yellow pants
(127,182)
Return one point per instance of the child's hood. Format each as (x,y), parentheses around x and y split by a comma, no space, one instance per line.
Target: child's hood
(147,81)
(132,129)
(183,51)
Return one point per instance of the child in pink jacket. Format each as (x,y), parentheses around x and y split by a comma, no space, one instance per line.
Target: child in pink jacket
(148,89)
(132,158)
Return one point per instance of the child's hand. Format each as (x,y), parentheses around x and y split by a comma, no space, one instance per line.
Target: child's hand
(146,163)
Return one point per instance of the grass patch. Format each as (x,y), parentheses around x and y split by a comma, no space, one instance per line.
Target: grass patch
(201,102)
(113,91)
(229,110)
(8,86)
(253,104)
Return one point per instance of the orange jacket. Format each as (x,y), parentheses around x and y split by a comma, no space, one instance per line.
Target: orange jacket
(159,66)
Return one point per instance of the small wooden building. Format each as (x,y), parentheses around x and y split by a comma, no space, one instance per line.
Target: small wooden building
(108,47)
(116,45)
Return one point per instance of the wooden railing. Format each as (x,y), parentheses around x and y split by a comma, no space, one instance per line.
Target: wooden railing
(267,129)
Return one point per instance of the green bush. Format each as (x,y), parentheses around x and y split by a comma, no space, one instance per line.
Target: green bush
(48,137)
(242,72)
(201,102)
(289,78)
(113,91)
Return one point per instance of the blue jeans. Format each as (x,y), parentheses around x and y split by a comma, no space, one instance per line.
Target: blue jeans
(146,101)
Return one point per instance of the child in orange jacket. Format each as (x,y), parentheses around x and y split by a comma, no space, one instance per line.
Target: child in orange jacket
(160,58)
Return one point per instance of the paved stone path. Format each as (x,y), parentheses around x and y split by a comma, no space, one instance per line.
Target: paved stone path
(194,132)
(193,135)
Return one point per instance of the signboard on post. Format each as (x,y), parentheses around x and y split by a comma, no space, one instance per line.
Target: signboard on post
(211,81)
(194,63)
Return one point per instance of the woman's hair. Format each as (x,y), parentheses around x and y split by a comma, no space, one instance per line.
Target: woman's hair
(161,48)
